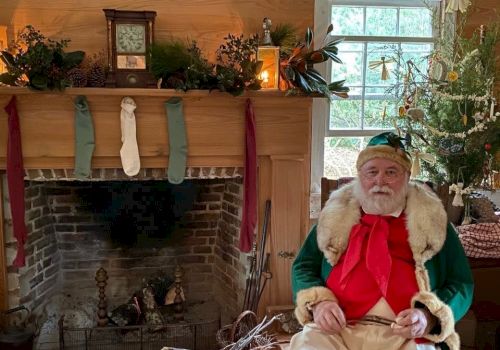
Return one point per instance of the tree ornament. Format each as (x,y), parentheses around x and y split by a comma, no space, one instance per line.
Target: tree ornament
(383,62)
(417,157)
(452,76)
(487,147)
(416,114)
(457,5)
(457,188)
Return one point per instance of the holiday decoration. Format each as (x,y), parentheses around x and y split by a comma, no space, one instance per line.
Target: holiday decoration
(129,152)
(269,55)
(38,62)
(455,118)
(382,63)
(457,5)
(299,75)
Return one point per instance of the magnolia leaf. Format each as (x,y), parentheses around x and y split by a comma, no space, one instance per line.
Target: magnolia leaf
(340,94)
(332,56)
(329,29)
(290,73)
(332,49)
(39,82)
(334,42)
(73,59)
(8,59)
(317,57)
(258,66)
(315,75)
(296,51)
(309,37)
(302,82)
(7,79)
(57,58)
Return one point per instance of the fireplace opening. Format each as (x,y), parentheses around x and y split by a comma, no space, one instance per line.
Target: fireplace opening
(135,230)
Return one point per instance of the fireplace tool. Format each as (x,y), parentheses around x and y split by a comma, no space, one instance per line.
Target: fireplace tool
(18,337)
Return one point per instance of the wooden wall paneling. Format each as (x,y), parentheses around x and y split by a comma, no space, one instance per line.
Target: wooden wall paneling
(3,261)
(214,124)
(206,21)
(289,182)
(265,192)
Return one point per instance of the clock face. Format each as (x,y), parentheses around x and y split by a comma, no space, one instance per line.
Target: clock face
(130,38)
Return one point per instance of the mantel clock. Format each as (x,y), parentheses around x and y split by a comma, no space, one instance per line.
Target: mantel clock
(129,39)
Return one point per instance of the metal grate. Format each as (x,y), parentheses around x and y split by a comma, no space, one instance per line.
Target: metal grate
(192,336)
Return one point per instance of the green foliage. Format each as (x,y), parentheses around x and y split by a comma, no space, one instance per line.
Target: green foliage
(284,36)
(299,73)
(38,62)
(181,66)
(236,68)
(447,101)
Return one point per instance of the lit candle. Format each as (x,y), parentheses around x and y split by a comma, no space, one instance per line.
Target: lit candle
(264,76)
(492,107)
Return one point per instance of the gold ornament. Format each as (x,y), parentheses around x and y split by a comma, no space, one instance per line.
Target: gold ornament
(452,76)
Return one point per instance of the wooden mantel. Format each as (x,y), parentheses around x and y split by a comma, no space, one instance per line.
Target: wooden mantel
(215,133)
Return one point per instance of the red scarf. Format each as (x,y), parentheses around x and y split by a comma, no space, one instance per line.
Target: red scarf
(378,262)
(375,230)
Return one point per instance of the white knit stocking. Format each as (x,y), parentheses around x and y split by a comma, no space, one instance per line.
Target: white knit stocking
(129,152)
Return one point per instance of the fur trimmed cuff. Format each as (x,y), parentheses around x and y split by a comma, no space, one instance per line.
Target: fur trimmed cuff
(309,297)
(445,318)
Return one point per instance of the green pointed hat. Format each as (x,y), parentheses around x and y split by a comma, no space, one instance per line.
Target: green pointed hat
(386,145)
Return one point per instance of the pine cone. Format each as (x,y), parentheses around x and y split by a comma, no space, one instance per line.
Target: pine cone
(77,77)
(96,76)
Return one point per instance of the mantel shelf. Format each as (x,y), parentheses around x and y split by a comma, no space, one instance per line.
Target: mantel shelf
(143,92)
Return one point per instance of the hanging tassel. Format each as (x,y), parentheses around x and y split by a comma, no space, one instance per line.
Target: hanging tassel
(457,5)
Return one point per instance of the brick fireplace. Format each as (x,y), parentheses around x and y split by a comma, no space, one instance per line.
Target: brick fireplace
(135,230)
(67,239)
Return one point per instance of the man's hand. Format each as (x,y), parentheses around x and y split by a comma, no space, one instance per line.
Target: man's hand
(414,323)
(329,316)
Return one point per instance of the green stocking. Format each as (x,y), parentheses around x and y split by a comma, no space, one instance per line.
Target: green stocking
(84,138)
(176,140)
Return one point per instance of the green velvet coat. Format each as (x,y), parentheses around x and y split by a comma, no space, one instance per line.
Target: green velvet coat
(441,267)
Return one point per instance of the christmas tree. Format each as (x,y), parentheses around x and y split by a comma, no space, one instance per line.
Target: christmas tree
(448,112)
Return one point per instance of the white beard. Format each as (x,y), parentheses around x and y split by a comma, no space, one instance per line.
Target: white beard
(380,204)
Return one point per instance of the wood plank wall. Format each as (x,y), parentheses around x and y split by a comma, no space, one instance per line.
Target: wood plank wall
(484,12)
(206,21)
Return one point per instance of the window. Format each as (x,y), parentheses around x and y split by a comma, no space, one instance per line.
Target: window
(374,31)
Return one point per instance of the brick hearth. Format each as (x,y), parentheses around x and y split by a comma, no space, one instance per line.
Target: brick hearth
(70,235)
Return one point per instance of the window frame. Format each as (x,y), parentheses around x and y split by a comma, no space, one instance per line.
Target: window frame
(321,106)
(365,40)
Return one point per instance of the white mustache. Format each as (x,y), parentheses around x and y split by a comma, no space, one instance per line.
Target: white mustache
(383,189)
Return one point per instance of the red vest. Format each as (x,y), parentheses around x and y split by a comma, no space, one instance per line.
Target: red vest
(387,269)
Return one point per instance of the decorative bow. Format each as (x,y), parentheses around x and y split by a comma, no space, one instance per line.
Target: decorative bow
(457,5)
(383,62)
(417,157)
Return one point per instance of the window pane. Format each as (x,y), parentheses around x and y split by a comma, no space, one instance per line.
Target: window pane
(381,21)
(341,154)
(415,22)
(347,20)
(376,104)
(418,53)
(375,53)
(352,69)
(345,114)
